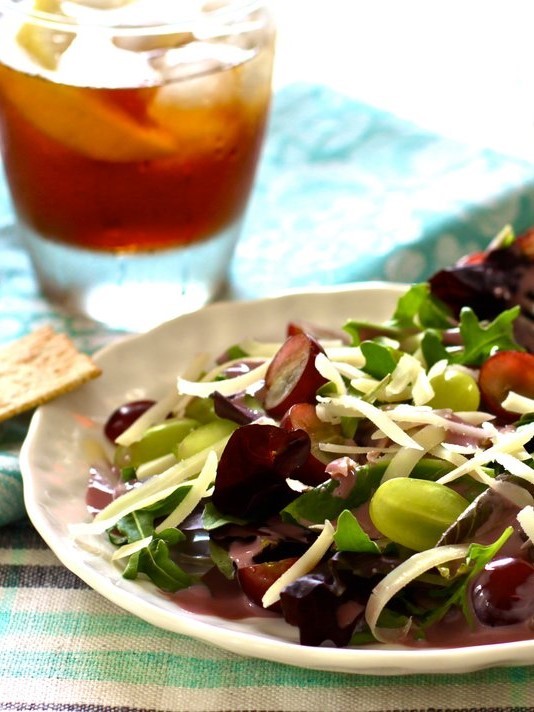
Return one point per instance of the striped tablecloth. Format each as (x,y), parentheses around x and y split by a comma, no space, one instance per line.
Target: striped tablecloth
(332,170)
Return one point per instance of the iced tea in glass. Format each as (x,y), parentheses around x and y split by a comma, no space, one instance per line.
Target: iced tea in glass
(130,134)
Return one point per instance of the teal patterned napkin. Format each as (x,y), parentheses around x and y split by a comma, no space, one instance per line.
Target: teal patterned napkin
(345,192)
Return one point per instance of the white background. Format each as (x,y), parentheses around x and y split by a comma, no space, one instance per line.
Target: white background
(462,68)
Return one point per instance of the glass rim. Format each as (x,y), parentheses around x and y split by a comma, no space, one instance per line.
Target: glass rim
(230,12)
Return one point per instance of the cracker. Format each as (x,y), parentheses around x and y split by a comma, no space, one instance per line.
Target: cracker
(39,367)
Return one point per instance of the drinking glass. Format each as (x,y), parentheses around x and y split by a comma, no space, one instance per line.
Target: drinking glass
(130,133)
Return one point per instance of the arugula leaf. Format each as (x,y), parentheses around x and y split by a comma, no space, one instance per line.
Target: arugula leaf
(234,352)
(481,340)
(140,524)
(418,307)
(478,556)
(132,527)
(169,504)
(323,502)
(213,519)
(349,536)
(315,505)
(155,561)
(352,328)
(380,360)
(222,560)
(433,349)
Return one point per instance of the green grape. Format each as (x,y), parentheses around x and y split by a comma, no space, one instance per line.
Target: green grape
(414,513)
(158,440)
(201,409)
(455,389)
(204,436)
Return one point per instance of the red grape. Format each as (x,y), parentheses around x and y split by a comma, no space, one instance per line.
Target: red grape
(302,416)
(503,372)
(124,416)
(504,592)
(256,579)
(292,377)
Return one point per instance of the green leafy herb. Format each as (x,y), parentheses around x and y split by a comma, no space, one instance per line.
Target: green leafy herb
(235,352)
(477,557)
(352,328)
(132,527)
(380,360)
(349,536)
(418,308)
(155,561)
(433,349)
(482,340)
(222,560)
(213,519)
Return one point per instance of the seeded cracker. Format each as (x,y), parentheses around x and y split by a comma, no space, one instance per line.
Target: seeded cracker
(39,367)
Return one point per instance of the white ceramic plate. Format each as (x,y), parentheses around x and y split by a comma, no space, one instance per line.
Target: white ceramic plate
(55,461)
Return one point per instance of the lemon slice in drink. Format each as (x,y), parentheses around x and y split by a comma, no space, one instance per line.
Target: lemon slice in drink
(44,44)
(81,121)
(77,118)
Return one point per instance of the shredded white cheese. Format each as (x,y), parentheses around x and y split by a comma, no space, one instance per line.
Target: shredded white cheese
(398,578)
(227,386)
(259,349)
(155,414)
(354,449)
(526,519)
(305,563)
(353,406)
(159,411)
(155,467)
(438,369)
(350,371)
(407,374)
(156,488)
(132,548)
(509,490)
(329,371)
(453,456)
(515,466)
(347,354)
(509,442)
(199,489)
(516,403)
(403,462)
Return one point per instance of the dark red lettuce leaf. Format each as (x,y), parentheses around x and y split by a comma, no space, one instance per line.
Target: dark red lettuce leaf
(312,604)
(327,606)
(251,475)
(495,280)
(235,408)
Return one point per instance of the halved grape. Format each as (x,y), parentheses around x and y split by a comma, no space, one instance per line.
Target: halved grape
(503,372)
(158,440)
(204,436)
(415,513)
(292,377)
(121,418)
(257,578)
(201,409)
(504,592)
(302,416)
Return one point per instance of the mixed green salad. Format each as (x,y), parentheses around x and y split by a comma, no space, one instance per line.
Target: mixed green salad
(368,483)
